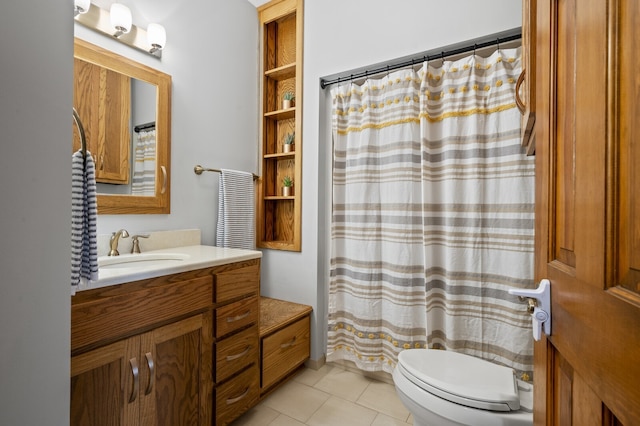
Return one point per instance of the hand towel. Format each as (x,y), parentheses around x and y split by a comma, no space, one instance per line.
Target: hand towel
(236,215)
(84,215)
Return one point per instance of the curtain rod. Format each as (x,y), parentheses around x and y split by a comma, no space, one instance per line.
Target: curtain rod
(145,126)
(438,53)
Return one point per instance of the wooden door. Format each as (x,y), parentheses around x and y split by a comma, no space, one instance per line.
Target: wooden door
(588,211)
(103,385)
(174,387)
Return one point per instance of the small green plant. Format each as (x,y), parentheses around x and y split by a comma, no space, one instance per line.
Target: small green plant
(287,182)
(290,138)
(288,96)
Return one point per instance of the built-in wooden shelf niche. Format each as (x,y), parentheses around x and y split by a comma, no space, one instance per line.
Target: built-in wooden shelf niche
(279,216)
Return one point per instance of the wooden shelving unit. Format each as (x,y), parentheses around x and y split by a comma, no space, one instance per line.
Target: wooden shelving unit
(278,216)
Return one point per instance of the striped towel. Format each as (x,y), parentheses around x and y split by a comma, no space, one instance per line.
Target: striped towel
(84,215)
(236,217)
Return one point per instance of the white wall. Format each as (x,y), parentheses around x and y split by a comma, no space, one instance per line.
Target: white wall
(212,57)
(338,36)
(35,176)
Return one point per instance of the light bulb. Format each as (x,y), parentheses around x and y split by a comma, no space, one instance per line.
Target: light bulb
(156,36)
(120,19)
(81,6)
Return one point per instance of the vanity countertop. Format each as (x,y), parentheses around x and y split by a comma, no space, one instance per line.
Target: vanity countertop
(178,259)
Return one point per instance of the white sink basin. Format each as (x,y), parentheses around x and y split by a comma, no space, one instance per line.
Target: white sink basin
(141,260)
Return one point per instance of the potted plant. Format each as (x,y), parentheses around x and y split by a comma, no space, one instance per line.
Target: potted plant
(287,100)
(287,186)
(289,142)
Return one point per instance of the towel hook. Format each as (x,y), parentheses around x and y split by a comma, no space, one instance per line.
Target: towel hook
(83,138)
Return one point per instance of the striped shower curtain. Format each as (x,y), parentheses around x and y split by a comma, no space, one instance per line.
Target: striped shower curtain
(432,215)
(144,168)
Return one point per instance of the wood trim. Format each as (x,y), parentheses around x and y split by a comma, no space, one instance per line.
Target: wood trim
(543,353)
(275,9)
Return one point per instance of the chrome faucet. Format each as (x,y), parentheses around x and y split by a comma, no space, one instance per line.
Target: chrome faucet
(113,242)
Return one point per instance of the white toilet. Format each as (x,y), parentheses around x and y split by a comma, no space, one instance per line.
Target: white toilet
(443,388)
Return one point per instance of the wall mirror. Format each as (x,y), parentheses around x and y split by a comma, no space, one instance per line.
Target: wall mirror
(125,109)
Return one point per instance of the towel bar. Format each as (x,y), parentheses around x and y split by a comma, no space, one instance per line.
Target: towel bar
(198,169)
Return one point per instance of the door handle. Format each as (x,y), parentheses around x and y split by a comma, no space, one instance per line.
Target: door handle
(541,315)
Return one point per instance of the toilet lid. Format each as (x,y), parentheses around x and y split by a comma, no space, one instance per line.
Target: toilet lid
(462,379)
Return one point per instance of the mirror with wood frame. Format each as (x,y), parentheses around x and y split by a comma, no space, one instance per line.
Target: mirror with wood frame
(125,109)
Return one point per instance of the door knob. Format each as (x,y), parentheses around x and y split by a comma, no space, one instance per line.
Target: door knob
(541,315)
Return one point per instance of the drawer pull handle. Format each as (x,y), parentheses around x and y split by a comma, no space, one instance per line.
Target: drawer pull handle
(238,398)
(136,379)
(239,317)
(240,355)
(288,344)
(519,103)
(152,374)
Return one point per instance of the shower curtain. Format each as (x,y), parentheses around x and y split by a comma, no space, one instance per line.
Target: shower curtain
(432,215)
(144,169)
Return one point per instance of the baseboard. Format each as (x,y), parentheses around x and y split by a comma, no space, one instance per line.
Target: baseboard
(316,364)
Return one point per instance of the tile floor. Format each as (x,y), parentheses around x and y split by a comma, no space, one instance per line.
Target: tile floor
(331,396)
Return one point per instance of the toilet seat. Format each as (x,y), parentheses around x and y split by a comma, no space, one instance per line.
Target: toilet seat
(461,379)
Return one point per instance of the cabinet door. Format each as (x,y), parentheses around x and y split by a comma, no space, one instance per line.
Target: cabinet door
(175,386)
(104,385)
(102,98)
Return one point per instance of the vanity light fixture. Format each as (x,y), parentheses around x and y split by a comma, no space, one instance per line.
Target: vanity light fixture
(117,23)
(157,37)
(81,7)
(120,19)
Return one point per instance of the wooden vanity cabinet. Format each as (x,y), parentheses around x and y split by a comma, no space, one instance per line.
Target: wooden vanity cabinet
(141,352)
(180,349)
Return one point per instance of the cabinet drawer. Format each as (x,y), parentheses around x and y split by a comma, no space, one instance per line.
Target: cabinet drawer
(236,315)
(284,350)
(237,396)
(119,313)
(236,283)
(236,352)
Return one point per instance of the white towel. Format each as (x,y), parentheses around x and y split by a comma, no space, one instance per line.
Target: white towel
(84,215)
(236,216)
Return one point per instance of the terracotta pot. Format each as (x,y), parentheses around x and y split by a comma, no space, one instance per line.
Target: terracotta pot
(288,147)
(287,191)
